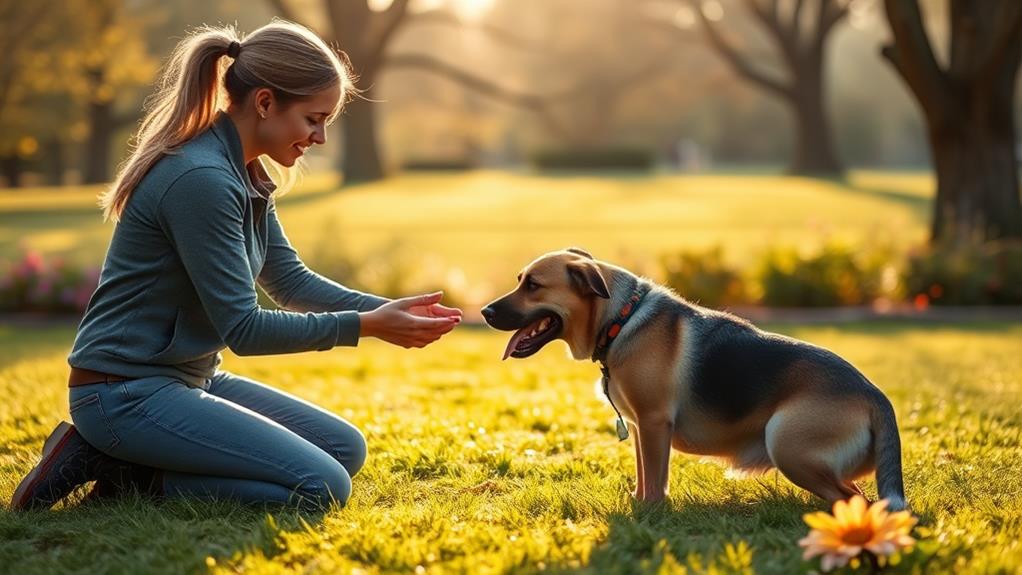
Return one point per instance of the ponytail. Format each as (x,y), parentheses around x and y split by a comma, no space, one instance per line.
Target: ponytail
(186,103)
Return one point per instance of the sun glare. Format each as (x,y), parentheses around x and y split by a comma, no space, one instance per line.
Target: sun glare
(467,9)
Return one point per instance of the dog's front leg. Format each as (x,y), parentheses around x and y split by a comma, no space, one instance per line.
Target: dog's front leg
(654,445)
(638,493)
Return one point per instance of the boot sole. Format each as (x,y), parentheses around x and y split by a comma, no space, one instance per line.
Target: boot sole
(54,443)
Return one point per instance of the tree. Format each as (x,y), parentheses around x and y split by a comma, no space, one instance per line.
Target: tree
(24,30)
(109,58)
(63,68)
(968,106)
(801,40)
(364,33)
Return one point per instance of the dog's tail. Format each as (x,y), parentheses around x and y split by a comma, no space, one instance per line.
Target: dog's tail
(887,453)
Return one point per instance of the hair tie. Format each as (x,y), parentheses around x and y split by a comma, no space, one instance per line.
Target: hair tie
(234,49)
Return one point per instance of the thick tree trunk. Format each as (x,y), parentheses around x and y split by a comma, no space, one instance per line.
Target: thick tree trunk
(360,158)
(969,111)
(977,174)
(97,150)
(814,145)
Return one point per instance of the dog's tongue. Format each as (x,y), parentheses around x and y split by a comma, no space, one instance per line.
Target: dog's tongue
(517,337)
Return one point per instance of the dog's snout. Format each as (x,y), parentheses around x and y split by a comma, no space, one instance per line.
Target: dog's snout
(489,313)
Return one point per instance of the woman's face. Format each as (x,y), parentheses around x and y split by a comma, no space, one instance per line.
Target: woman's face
(288,129)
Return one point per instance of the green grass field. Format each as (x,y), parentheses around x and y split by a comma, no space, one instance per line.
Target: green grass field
(482,466)
(472,232)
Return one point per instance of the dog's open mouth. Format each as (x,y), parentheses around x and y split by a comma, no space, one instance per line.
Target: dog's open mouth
(533,337)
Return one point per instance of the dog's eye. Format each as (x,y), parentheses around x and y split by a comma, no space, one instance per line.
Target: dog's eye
(531,285)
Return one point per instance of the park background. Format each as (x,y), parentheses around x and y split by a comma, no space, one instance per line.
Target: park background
(845,171)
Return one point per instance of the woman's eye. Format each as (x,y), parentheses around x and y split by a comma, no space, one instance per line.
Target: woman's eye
(311,121)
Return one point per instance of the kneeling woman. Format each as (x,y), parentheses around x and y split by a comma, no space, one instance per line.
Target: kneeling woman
(197,231)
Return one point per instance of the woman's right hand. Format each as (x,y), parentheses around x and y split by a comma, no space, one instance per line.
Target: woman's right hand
(394,323)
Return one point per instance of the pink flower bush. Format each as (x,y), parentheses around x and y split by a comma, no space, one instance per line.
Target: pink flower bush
(33,284)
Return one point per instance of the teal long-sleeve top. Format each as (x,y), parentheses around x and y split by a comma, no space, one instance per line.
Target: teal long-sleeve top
(178,285)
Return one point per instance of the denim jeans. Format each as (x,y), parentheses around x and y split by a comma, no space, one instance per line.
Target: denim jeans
(238,439)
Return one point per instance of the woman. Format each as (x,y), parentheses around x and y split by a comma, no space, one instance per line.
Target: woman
(197,230)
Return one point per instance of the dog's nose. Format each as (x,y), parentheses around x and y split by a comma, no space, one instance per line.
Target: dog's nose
(488,313)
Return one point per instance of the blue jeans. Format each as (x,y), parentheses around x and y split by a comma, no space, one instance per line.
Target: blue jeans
(238,439)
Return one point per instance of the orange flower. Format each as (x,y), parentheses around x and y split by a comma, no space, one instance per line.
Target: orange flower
(853,527)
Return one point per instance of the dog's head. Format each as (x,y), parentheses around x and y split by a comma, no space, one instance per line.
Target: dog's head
(556,298)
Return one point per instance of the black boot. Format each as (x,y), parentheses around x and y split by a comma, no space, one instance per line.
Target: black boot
(69,461)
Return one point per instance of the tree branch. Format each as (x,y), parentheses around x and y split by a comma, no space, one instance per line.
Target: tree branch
(738,62)
(829,15)
(431,64)
(541,104)
(912,56)
(786,38)
(796,19)
(387,24)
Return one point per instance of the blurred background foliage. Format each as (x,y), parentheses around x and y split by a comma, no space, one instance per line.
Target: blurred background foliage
(743,151)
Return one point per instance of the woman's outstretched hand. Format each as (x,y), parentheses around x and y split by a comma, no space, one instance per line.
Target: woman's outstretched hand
(410,322)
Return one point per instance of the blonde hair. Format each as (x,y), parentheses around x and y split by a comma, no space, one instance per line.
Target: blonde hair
(196,84)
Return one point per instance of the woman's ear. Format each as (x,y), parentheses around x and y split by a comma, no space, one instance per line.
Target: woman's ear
(263,100)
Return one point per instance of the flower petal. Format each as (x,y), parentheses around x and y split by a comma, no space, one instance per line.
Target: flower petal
(820,520)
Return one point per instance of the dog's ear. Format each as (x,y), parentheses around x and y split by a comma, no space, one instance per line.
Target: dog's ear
(580,252)
(587,278)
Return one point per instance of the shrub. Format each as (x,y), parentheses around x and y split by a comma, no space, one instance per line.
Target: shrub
(704,278)
(834,276)
(31,284)
(390,270)
(966,274)
(594,159)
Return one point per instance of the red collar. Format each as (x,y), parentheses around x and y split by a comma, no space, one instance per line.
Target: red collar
(614,326)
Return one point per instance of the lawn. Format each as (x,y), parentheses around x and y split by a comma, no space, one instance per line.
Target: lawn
(483,466)
(473,231)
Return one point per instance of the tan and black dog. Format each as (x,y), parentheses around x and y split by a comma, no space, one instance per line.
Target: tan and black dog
(706,382)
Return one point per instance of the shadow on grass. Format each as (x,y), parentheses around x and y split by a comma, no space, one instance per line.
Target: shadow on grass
(696,532)
(131,535)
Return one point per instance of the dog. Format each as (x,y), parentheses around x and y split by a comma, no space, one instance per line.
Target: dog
(706,382)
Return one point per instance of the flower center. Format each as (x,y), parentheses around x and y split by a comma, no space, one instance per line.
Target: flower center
(858,535)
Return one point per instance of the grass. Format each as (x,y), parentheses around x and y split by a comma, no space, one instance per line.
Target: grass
(485,225)
(480,466)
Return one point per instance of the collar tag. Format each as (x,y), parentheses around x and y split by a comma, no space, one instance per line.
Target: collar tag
(622,429)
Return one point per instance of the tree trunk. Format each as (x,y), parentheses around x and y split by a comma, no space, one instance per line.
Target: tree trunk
(969,111)
(97,150)
(814,144)
(56,161)
(12,167)
(977,173)
(360,159)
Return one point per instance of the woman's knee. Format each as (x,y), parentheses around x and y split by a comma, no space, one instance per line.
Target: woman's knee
(329,484)
(355,452)
(347,445)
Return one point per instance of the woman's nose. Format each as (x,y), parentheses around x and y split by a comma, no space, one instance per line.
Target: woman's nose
(319,135)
